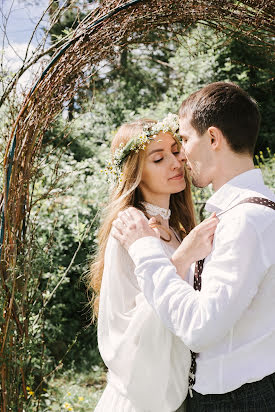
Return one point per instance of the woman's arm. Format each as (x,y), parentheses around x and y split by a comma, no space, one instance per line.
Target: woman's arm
(134,344)
(195,246)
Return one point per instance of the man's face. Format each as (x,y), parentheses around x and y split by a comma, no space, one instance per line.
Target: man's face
(197,153)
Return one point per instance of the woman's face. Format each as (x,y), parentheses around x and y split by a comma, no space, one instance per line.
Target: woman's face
(163,171)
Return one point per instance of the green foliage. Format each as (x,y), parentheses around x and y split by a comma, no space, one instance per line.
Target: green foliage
(70,192)
(71,391)
(75,152)
(68,221)
(267,164)
(205,56)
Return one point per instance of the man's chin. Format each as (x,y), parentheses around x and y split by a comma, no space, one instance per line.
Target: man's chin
(197,184)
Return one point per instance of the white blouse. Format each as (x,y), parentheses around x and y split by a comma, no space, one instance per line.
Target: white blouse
(148,365)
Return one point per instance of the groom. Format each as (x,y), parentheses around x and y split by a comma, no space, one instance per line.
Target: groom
(230,322)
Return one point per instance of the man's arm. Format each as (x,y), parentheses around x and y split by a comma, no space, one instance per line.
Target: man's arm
(230,280)
(131,225)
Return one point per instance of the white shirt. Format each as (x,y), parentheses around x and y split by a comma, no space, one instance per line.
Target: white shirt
(148,365)
(231,321)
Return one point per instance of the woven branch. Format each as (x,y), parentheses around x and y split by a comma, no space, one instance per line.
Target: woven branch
(93,41)
(90,46)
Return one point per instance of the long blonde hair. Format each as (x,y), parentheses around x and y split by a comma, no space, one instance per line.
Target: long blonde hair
(129,194)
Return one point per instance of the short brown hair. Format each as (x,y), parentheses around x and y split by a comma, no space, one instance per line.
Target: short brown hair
(228,107)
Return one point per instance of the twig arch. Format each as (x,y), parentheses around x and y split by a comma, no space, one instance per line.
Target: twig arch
(110,27)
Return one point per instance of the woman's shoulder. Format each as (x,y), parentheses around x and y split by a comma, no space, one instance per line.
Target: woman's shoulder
(113,244)
(116,251)
(118,264)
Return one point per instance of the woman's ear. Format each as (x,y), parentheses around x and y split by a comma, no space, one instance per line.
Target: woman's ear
(216,137)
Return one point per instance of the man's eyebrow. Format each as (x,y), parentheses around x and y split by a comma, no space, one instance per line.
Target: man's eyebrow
(161,150)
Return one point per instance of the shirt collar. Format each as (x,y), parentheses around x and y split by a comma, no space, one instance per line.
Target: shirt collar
(230,191)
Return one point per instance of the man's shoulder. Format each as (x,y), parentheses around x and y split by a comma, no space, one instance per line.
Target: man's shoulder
(250,201)
(258,205)
(247,228)
(261,191)
(243,215)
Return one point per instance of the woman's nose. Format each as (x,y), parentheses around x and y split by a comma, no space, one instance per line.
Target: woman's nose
(177,161)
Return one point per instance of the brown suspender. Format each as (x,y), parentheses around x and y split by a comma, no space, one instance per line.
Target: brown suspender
(197,278)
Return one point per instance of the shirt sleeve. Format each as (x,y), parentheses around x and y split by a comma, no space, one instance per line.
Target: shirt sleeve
(139,351)
(230,280)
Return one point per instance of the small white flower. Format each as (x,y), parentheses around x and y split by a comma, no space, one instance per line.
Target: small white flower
(113,169)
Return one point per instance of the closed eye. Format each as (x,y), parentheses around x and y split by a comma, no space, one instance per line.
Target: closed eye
(157,161)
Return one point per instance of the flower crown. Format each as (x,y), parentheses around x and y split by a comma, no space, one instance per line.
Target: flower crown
(113,168)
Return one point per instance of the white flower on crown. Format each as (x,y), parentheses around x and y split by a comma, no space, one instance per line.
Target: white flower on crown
(113,169)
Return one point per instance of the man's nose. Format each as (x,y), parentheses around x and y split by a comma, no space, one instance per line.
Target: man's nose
(182,156)
(177,161)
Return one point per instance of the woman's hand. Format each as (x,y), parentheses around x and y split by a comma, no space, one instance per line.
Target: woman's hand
(196,245)
(130,226)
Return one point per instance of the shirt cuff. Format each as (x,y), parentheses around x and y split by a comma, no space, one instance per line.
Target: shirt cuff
(144,248)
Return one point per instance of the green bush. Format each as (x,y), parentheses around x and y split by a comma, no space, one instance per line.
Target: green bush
(69,191)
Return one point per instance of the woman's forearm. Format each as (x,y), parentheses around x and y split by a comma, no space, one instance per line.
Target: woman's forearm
(182,262)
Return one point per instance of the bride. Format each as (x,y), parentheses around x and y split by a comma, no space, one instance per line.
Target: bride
(147,365)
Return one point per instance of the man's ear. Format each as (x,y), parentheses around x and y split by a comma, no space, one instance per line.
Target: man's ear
(216,137)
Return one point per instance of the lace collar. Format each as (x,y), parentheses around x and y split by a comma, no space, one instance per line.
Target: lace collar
(154,210)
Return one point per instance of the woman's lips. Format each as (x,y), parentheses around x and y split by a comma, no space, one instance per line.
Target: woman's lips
(177,177)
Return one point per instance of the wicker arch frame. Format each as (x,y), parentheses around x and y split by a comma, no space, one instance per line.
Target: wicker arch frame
(110,27)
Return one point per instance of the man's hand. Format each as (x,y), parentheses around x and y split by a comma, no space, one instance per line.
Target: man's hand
(130,226)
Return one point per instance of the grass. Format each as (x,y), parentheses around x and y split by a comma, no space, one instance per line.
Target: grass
(73,391)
